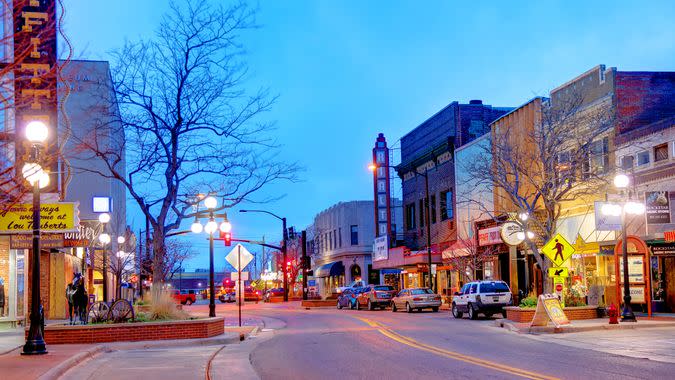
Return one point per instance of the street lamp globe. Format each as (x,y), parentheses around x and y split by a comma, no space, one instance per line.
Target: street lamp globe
(121,254)
(121,240)
(104,218)
(210,203)
(104,238)
(36,131)
(196,227)
(226,226)
(634,208)
(211,226)
(523,216)
(621,181)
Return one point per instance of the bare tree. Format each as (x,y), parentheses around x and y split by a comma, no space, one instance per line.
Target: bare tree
(468,257)
(563,158)
(190,125)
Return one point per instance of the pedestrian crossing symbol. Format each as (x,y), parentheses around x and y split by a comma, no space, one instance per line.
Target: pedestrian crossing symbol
(558,250)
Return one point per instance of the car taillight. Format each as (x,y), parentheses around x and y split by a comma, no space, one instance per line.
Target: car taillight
(417,299)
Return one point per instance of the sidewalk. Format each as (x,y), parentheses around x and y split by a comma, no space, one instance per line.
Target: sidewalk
(576,326)
(61,357)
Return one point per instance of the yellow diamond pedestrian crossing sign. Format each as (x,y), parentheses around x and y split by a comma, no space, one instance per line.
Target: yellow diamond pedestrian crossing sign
(558,250)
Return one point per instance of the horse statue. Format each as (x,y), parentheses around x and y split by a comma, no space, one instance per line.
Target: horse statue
(77,300)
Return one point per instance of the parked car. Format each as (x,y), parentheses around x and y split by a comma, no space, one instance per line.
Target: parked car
(348,298)
(375,296)
(274,292)
(487,297)
(184,297)
(227,297)
(251,294)
(354,285)
(416,299)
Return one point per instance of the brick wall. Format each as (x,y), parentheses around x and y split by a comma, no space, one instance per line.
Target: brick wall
(642,99)
(127,332)
(573,313)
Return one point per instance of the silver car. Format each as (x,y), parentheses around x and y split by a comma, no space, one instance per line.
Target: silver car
(416,299)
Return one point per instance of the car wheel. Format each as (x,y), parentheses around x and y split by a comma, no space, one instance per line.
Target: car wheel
(455,312)
(358,305)
(393,307)
(504,314)
(188,302)
(339,306)
(408,308)
(434,309)
(370,306)
(472,312)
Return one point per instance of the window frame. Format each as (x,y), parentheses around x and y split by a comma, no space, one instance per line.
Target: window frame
(664,147)
(354,232)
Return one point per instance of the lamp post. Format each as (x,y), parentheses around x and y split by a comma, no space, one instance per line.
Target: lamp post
(36,133)
(210,228)
(627,207)
(105,239)
(427,216)
(283,248)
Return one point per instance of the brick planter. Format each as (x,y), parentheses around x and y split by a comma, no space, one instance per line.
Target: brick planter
(128,332)
(319,303)
(519,315)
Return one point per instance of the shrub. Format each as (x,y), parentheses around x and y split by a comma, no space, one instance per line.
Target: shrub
(529,302)
(163,307)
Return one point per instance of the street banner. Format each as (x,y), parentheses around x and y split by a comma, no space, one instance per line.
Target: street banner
(657,207)
(549,309)
(606,222)
(54,217)
(381,248)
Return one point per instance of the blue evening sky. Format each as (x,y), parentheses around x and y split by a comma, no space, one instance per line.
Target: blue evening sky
(346,70)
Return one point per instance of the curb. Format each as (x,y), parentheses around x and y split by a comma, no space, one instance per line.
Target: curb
(503,323)
(10,350)
(60,369)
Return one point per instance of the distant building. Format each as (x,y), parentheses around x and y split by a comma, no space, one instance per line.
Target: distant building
(341,245)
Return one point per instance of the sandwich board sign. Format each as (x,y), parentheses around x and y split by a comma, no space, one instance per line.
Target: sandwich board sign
(549,309)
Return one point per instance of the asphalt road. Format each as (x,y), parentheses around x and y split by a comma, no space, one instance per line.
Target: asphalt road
(348,344)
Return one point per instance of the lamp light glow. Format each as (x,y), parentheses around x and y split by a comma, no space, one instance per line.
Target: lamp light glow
(121,240)
(621,181)
(372,167)
(211,227)
(104,218)
(226,226)
(196,227)
(104,238)
(37,131)
(210,203)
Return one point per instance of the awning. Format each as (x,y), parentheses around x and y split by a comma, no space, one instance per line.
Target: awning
(330,269)
(391,271)
(458,249)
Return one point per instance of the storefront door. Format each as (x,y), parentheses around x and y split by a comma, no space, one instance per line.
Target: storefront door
(669,281)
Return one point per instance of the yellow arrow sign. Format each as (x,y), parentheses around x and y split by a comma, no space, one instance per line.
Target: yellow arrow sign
(558,250)
(558,272)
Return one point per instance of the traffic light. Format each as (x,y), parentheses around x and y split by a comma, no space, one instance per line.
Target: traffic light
(227,237)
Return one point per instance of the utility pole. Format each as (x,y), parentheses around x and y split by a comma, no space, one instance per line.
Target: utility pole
(304,265)
(284,267)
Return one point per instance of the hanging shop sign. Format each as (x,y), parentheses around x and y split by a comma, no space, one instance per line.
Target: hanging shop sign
(512,233)
(54,217)
(606,222)
(381,248)
(86,233)
(489,236)
(657,207)
(25,241)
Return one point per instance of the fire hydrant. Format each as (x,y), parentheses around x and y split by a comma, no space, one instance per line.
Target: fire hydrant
(613,313)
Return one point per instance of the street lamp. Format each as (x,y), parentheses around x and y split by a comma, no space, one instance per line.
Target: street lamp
(105,239)
(36,133)
(283,247)
(427,216)
(621,182)
(210,228)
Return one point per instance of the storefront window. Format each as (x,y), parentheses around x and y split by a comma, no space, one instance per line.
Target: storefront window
(20,281)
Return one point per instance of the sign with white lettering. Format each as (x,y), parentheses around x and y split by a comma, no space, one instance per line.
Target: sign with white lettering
(381,248)
(657,207)
(489,236)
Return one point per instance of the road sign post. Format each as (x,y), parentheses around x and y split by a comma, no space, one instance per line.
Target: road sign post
(239,258)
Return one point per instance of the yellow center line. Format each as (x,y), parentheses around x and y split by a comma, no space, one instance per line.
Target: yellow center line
(451,354)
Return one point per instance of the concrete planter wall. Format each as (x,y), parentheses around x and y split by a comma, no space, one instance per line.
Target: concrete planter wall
(128,332)
(516,314)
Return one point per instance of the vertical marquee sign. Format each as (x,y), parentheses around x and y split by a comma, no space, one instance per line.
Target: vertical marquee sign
(35,79)
(381,188)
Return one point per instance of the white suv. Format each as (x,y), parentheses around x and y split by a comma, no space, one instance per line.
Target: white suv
(487,297)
